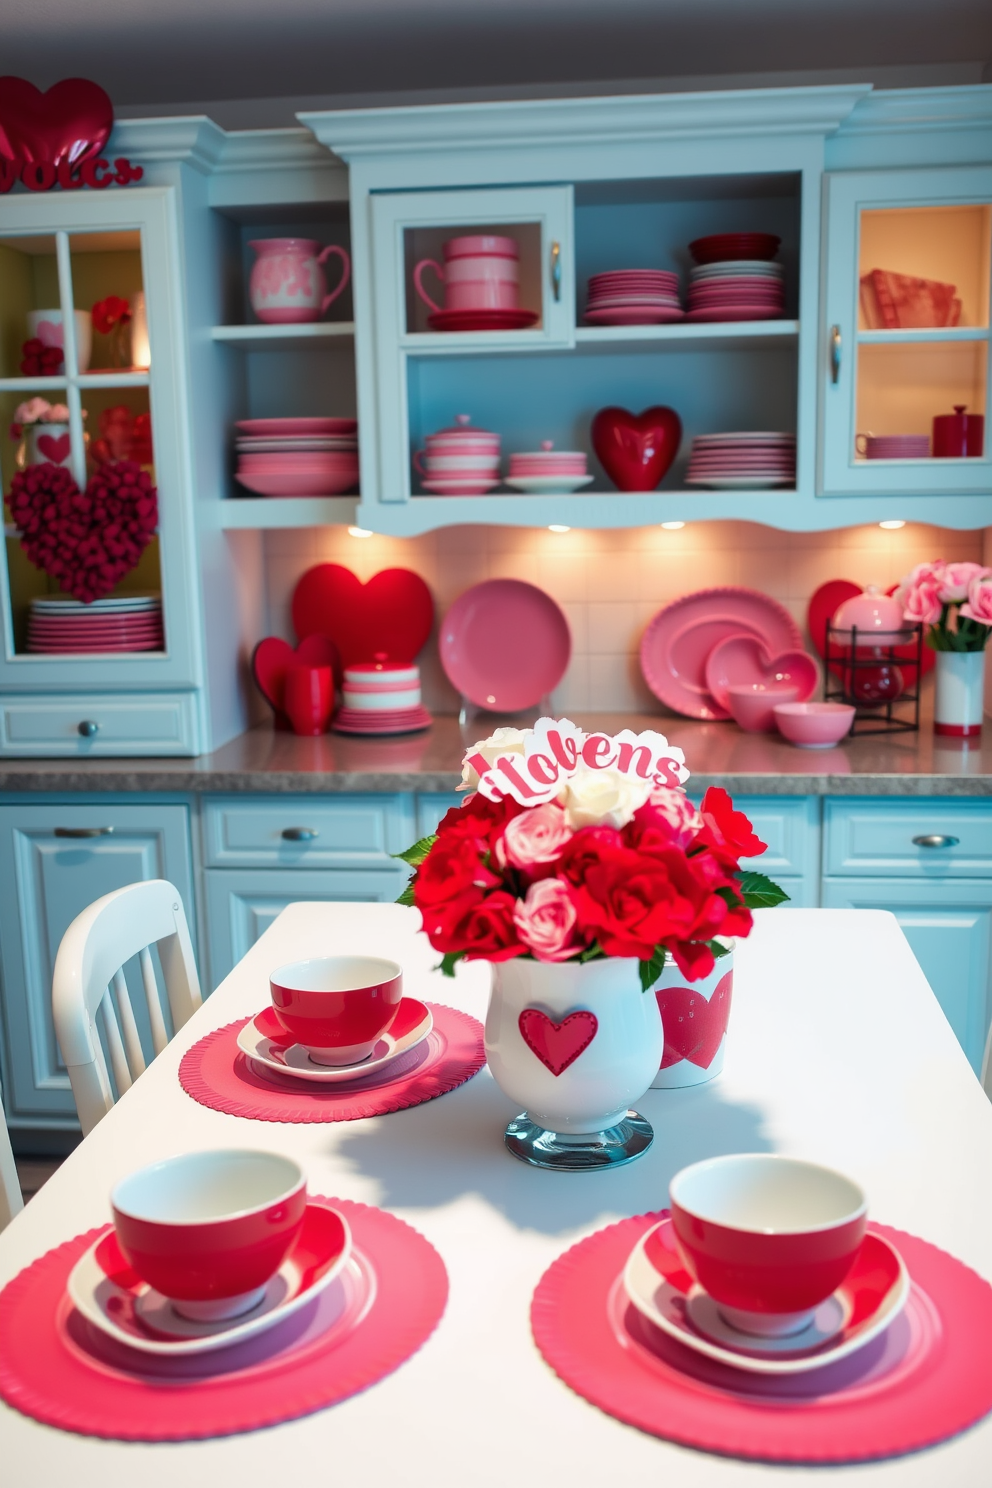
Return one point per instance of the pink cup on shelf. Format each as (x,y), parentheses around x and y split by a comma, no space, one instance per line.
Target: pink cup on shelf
(308,698)
(480,272)
(337,1007)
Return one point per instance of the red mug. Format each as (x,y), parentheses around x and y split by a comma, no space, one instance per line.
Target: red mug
(958,435)
(308,698)
(337,1007)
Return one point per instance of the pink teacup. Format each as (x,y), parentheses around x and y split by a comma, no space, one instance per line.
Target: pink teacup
(752,704)
(481,272)
(337,1007)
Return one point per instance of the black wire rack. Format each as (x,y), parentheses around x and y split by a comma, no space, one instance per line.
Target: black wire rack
(879,672)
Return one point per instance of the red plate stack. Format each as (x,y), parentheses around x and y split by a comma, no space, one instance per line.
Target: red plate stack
(61,627)
(742,461)
(735,278)
(633,297)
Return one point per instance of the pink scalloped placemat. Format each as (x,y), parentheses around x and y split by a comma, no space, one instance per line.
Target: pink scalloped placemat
(216,1074)
(59,1369)
(928,1377)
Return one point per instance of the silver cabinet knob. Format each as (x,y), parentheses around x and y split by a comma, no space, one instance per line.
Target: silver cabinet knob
(84,831)
(936,839)
(87,728)
(299,834)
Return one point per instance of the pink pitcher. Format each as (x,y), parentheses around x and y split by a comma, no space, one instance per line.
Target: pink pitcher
(287,283)
(480,272)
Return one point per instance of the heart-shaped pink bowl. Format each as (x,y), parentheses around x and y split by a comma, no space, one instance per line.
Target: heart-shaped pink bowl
(742,660)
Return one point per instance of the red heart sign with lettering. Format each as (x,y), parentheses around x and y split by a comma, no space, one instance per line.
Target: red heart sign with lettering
(636,449)
(272,659)
(70,123)
(557,1045)
(387,619)
(694,1028)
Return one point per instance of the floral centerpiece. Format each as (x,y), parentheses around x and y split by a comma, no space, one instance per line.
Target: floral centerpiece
(43,431)
(577,865)
(953,602)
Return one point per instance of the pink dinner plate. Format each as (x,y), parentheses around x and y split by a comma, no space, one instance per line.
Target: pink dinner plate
(639,315)
(740,661)
(297,427)
(505,645)
(678,641)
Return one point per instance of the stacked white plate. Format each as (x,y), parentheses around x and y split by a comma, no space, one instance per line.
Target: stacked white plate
(67,627)
(633,297)
(297,456)
(742,462)
(742,289)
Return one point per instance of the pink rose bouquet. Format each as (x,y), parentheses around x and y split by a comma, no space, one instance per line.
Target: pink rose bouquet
(952,600)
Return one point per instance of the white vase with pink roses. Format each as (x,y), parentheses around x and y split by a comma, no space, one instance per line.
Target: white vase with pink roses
(953,602)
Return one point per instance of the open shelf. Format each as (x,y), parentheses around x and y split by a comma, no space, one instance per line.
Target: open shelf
(293,511)
(717,335)
(283,337)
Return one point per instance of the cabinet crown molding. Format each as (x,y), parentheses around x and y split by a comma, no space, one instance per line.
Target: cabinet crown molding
(912,109)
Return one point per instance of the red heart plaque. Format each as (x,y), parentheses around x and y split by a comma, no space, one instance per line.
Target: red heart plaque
(272,659)
(70,123)
(636,449)
(557,1045)
(694,1027)
(390,617)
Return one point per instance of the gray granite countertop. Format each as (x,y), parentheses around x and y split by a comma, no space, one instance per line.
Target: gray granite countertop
(265,760)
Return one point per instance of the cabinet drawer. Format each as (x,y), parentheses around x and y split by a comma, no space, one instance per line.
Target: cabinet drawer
(132,723)
(877,837)
(307,831)
(790,826)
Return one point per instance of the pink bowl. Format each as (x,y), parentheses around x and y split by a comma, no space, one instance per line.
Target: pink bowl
(752,704)
(768,1237)
(208,1229)
(814,725)
(337,1007)
(298,483)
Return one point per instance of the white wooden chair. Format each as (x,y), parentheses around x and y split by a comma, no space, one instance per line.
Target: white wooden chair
(11,1202)
(90,962)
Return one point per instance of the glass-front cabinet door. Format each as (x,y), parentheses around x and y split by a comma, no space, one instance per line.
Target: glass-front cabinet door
(906,332)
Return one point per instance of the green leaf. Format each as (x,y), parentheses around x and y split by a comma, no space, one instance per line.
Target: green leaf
(592,953)
(718,949)
(651,970)
(448,962)
(407,895)
(759,892)
(416,854)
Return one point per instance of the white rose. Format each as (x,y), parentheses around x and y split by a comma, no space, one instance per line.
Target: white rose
(603,798)
(503,741)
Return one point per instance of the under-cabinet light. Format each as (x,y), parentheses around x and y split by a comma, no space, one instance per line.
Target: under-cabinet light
(673,526)
(893,524)
(557,527)
(360,532)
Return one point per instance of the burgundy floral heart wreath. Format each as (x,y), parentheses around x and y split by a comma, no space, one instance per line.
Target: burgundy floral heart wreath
(87,540)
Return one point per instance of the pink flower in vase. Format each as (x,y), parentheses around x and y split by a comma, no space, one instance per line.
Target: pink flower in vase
(979,603)
(921,602)
(956,579)
(546,920)
(534,840)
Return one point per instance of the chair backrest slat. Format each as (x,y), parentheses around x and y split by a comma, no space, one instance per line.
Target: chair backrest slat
(129,1028)
(159,1036)
(115,1047)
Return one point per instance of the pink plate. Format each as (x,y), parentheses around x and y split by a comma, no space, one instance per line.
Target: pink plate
(505,645)
(482,320)
(638,316)
(739,312)
(271,483)
(297,427)
(741,660)
(264,1040)
(679,639)
(403,721)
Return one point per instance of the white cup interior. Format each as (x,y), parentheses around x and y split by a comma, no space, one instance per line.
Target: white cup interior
(767,1194)
(335,974)
(199,1187)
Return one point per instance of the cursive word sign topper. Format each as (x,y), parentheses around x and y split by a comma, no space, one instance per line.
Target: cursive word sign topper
(556,749)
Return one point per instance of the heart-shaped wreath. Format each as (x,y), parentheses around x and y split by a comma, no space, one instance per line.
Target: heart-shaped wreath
(87,540)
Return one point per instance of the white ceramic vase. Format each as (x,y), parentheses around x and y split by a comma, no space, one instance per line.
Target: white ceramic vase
(574,1045)
(959,693)
(694,1018)
(48,444)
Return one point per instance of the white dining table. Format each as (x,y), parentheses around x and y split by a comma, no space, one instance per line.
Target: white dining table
(837,1051)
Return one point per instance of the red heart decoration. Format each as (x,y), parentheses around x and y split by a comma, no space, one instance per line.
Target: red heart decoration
(86,540)
(71,122)
(54,449)
(557,1045)
(273,657)
(387,619)
(636,449)
(694,1027)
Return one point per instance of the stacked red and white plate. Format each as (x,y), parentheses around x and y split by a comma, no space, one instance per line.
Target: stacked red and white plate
(742,462)
(60,627)
(297,456)
(381,697)
(633,297)
(735,278)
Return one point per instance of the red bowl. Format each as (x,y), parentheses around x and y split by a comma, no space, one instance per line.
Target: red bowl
(209,1227)
(767,1237)
(734,247)
(337,1007)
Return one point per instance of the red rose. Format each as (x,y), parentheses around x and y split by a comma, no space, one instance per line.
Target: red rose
(727,832)
(110,312)
(483,928)
(636,902)
(479,819)
(585,850)
(441,921)
(452,866)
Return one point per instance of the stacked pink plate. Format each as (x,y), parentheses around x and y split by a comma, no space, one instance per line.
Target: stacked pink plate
(381,697)
(548,471)
(736,290)
(741,462)
(633,297)
(67,627)
(895,446)
(298,456)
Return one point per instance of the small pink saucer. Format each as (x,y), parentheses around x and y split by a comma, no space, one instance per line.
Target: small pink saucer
(264,1040)
(115,1300)
(870,1297)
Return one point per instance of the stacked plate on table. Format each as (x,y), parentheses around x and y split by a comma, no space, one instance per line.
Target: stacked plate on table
(60,627)
(297,456)
(742,462)
(633,297)
(735,278)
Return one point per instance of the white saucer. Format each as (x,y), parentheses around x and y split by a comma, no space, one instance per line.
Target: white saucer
(551,485)
(264,1042)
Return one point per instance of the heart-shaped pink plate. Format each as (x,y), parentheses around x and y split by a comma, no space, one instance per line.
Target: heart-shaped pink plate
(741,660)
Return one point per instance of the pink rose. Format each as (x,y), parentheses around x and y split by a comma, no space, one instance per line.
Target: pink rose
(678,811)
(979,605)
(546,920)
(534,840)
(956,579)
(921,604)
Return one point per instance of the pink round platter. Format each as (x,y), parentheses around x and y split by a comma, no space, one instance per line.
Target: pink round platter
(742,661)
(297,427)
(641,315)
(57,1368)
(505,645)
(926,1378)
(679,639)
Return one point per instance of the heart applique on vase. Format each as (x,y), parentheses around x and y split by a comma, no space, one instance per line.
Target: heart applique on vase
(694,1027)
(557,1045)
(54,448)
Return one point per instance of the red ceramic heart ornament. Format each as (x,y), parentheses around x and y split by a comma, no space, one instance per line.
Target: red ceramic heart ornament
(389,618)
(272,659)
(636,449)
(694,1028)
(86,540)
(70,123)
(557,1045)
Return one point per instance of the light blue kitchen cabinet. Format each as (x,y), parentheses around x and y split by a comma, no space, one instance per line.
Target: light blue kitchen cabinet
(54,861)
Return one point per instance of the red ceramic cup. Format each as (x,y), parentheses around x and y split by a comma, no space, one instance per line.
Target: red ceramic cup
(337,1007)
(768,1237)
(308,698)
(209,1229)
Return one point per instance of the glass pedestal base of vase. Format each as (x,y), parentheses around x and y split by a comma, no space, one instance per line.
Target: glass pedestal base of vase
(577,1154)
